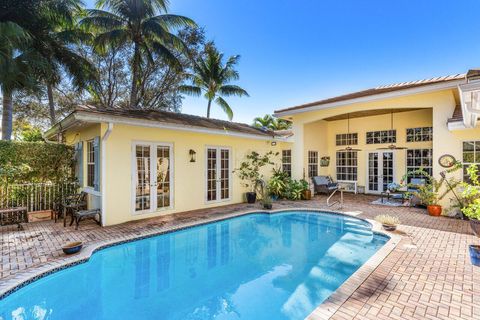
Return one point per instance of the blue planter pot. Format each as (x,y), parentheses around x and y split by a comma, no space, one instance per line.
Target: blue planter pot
(474,254)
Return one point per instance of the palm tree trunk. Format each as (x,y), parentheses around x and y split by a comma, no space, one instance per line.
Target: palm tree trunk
(51,103)
(208,108)
(7,115)
(135,77)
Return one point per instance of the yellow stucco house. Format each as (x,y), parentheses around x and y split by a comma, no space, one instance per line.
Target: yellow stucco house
(373,137)
(140,164)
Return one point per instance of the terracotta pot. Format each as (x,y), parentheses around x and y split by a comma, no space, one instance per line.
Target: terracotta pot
(434,210)
(307,194)
(475,225)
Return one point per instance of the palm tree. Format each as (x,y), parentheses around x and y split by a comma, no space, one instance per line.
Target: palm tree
(140,23)
(272,123)
(212,77)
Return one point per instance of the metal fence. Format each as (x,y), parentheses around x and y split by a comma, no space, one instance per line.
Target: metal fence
(35,196)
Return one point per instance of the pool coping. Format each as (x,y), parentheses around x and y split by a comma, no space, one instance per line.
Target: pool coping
(323,311)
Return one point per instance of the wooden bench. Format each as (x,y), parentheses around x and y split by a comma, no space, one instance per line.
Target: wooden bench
(87,214)
(16,216)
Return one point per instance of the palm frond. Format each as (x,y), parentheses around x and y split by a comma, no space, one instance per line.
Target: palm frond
(233,90)
(174,21)
(165,53)
(225,107)
(190,90)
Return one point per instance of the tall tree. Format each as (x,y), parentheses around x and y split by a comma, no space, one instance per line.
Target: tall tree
(212,77)
(47,50)
(143,23)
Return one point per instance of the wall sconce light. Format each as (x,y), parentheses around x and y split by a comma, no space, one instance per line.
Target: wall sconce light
(273,143)
(193,155)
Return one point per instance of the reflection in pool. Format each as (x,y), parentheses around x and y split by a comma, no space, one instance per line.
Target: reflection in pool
(258,266)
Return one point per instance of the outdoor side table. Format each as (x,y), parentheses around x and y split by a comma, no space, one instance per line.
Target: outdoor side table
(16,216)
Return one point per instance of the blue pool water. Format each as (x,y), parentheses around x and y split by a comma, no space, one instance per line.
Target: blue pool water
(258,267)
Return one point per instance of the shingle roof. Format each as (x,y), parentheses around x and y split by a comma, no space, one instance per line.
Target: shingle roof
(178,119)
(378,90)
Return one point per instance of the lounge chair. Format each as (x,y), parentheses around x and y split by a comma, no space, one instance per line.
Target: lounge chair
(324,184)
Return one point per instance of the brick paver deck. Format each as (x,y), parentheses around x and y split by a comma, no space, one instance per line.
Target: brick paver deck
(427,276)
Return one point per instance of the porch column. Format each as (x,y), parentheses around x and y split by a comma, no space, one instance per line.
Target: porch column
(298,150)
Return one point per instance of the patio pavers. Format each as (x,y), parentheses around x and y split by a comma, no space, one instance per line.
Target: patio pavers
(427,276)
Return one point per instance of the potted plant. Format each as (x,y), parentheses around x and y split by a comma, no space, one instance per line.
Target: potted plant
(267,200)
(306,193)
(249,172)
(431,193)
(388,222)
(276,184)
(471,196)
(324,161)
(393,187)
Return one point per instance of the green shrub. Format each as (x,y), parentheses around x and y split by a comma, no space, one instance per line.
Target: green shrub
(32,162)
(471,194)
(284,187)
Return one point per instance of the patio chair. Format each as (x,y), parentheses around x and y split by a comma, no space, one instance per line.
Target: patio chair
(70,205)
(413,186)
(324,184)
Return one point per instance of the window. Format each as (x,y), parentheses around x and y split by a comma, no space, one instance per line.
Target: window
(90,164)
(419,159)
(346,139)
(471,155)
(312,164)
(287,162)
(347,165)
(385,136)
(419,134)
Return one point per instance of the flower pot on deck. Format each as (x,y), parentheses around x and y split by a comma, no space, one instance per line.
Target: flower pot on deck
(307,194)
(434,210)
(389,227)
(474,251)
(475,225)
(251,197)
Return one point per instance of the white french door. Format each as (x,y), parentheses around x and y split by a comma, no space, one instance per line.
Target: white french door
(218,179)
(380,170)
(152,175)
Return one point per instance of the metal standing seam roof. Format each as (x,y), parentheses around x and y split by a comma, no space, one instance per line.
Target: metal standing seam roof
(378,90)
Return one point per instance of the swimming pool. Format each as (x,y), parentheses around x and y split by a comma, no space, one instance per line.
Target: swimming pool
(257,266)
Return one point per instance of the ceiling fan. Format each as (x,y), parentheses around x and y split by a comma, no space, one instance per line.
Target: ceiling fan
(392,146)
(349,148)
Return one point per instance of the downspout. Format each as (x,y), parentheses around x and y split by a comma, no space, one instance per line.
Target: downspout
(103,171)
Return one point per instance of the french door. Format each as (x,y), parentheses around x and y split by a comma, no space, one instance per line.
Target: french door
(380,166)
(152,177)
(218,179)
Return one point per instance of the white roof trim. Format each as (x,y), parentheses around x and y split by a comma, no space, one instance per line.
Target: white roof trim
(456,125)
(85,116)
(376,97)
(470,102)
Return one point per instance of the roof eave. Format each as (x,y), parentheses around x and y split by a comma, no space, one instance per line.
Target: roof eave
(375,97)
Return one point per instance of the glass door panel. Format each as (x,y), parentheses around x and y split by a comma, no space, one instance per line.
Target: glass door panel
(163,176)
(142,183)
(211,174)
(387,164)
(218,174)
(373,172)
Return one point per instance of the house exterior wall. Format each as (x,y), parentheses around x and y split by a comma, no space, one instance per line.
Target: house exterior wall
(189,178)
(437,108)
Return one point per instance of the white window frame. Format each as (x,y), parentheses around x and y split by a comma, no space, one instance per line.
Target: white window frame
(380,167)
(153,173)
(230,180)
(467,164)
(90,143)
(413,167)
(337,166)
(312,154)
(421,134)
(284,163)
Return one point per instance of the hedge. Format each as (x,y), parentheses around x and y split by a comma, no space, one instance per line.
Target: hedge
(33,162)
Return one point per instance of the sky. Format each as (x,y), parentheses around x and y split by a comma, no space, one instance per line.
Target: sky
(298,51)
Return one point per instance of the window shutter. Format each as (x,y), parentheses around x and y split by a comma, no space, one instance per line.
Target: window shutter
(96,151)
(79,162)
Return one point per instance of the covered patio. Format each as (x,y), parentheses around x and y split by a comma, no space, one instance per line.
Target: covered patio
(427,276)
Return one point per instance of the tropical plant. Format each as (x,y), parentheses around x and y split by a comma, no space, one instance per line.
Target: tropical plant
(213,77)
(270,122)
(431,192)
(388,220)
(277,183)
(249,170)
(471,194)
(146,25)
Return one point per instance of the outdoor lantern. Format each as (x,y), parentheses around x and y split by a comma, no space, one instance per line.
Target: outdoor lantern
(192,155)
(273,143)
